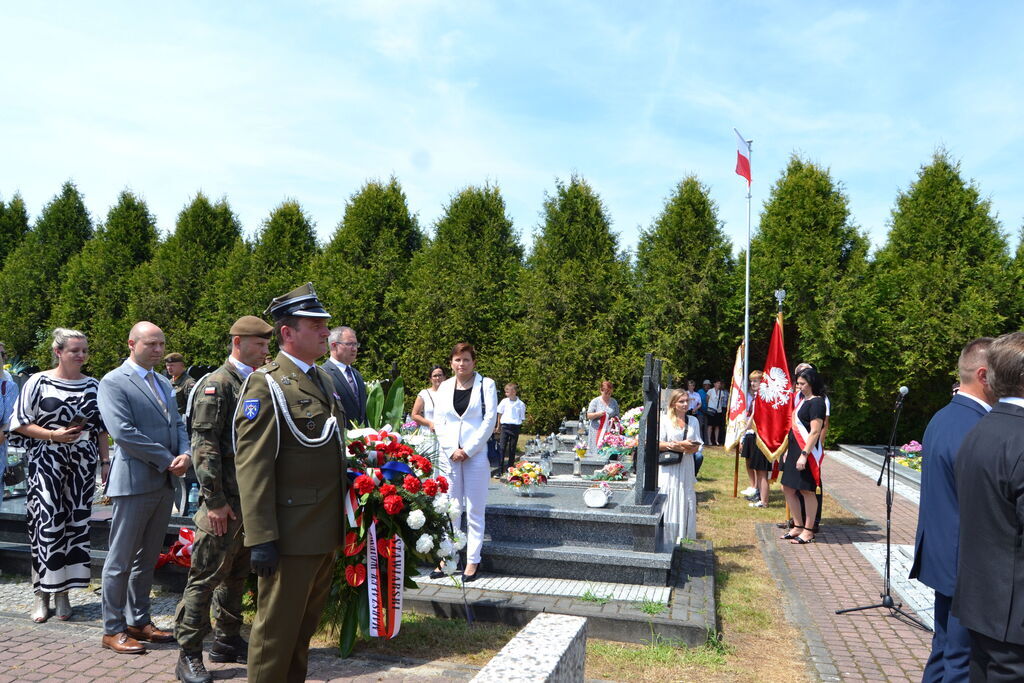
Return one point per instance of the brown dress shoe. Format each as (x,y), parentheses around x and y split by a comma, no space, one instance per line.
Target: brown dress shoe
(123,644)
(150,633)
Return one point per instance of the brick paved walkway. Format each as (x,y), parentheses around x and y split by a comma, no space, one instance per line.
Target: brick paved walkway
(72,652)
(832,574)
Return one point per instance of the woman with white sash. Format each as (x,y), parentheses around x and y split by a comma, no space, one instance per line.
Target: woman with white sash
(801,468)
(464,418)
(678,439)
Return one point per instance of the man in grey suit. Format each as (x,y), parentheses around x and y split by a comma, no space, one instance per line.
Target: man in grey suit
(138,408)
(344,347)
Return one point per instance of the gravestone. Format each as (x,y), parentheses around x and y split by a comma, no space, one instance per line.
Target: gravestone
(646,487)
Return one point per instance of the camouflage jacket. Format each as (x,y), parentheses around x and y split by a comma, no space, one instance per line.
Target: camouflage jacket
(213,407)
(182,388)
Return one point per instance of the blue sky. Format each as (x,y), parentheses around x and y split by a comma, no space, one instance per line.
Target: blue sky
(260,102)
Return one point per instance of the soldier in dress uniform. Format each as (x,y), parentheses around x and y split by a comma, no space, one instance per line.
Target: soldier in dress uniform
(220,560)
(290,461)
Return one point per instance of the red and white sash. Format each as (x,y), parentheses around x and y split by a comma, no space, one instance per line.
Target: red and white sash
(385,576)
(602,426)
(816,453)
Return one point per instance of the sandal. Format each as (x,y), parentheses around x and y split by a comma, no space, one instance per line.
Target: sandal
(790,535)
(800,540)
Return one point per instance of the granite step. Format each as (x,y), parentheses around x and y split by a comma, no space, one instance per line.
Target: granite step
(16,558)
(568,561)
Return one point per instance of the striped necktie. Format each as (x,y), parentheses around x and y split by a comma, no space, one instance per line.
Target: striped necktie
(155,387)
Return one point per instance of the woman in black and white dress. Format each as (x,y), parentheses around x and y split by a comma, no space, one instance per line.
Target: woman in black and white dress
(423,412)
(679,432)
(58,422)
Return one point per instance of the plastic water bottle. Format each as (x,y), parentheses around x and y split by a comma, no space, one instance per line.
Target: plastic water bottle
(193,500)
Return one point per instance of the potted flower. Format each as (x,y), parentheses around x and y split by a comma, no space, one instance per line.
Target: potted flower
(910,455)
(524,477)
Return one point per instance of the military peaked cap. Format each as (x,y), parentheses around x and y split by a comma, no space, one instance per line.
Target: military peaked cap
(301,301)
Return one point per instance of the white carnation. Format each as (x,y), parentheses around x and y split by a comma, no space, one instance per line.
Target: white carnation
(450,565)
(446,547)
(441,503)
(425,544)
(459,540)
(454,508)
(416,519)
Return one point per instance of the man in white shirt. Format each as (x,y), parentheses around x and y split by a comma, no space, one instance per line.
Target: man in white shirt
(511,413)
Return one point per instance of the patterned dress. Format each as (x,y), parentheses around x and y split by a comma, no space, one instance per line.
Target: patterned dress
(61,479)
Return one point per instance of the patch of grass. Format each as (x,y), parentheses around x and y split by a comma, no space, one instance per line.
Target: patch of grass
(590,596)
(659,660)
(652,607)
(433,638)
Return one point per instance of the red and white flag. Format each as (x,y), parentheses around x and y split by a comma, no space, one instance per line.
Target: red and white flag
(742,157)
(773,406)
(737,423)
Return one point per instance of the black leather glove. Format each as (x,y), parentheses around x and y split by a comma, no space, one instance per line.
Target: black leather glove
(263,558)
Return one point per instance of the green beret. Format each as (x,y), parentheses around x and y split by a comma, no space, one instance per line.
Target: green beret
(251,326)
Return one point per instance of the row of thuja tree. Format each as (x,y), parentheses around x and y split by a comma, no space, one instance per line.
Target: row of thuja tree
(573,310)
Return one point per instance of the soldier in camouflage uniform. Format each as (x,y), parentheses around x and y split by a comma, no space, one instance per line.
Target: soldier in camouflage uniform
(220,560)
(180,381)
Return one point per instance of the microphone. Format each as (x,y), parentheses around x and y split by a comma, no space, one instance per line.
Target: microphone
(903,391)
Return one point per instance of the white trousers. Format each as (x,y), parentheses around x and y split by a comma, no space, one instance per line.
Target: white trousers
(468,482)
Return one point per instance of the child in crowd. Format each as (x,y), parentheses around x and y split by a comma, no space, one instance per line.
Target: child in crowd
(511,413)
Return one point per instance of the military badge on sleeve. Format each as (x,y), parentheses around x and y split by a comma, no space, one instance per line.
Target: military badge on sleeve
(251,408)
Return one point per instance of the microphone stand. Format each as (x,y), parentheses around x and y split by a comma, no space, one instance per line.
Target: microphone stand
(887,472)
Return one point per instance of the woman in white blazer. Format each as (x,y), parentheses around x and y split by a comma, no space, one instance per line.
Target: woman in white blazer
(464,419)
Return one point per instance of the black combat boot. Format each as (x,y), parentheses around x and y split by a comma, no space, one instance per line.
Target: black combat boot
(190,668)
(229,649)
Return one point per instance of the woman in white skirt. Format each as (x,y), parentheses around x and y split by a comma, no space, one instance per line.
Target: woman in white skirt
(423,414)
(678,439)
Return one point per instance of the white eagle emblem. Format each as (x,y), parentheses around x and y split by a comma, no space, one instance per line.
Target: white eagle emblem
(775,387)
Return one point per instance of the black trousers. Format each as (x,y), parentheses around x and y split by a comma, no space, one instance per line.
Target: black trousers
(995,661)
(509,441)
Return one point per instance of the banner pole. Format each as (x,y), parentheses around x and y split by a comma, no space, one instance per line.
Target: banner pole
(746,293)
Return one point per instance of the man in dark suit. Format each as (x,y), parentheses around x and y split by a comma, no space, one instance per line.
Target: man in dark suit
(938,520)
(344,347)
(139,411)
(989,596)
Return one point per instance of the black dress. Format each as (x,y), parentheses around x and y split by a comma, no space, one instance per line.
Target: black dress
(811,409)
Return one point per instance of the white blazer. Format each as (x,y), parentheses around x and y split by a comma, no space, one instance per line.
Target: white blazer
(471,430)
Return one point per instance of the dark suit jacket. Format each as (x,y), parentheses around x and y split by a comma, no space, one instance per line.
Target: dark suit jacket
(938,517)
(989,595)
(355,405)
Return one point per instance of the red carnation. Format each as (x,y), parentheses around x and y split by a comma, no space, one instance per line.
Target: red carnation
(442,483)
(363,484)
(356,447)
(355,575)
(352,543)
(393,505)
(388,490)
(411,484)
(430,487)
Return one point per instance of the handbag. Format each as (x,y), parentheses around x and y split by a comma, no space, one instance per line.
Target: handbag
(14,474)
(673,457)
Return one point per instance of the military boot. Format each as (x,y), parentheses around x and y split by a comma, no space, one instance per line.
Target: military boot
(190,668)
(229,649)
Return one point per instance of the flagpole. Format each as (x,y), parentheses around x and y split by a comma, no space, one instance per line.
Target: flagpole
(746,294)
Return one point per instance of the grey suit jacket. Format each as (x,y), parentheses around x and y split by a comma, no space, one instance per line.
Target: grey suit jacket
(147,440)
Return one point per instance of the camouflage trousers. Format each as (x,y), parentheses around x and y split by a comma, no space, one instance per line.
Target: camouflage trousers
(220,565)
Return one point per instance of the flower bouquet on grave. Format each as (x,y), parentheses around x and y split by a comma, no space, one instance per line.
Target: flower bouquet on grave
(910,455)
(524,476)
(397,515)
(631,421)
(613,471)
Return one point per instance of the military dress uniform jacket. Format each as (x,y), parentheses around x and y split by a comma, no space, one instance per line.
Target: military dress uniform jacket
(213,450)
(290,459)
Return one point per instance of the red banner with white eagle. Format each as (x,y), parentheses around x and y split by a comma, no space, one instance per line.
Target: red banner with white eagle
(773,406)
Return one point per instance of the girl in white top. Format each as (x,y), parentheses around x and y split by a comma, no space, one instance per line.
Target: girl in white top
(464,419)
(680,433)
